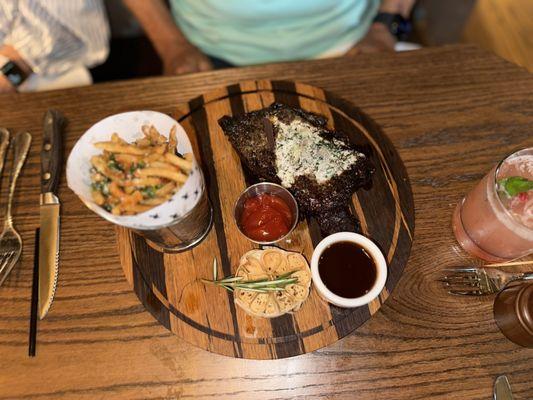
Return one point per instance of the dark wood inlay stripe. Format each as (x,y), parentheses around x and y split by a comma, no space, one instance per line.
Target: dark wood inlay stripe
(200,122)
(376,217)
(286,324)
(144,292)
(149,263)
(399,173)
(235,99)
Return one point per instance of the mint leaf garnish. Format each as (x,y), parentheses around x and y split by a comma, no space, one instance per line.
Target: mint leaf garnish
(515,185)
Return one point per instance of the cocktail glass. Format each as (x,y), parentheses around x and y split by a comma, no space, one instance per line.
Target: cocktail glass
(495,220)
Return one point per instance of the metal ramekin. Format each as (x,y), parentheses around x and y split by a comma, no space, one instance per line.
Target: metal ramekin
(269,188)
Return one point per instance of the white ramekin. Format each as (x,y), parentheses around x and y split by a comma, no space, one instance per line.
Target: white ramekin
(373,251)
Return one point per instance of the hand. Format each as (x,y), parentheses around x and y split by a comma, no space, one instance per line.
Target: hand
(6,86)
(378,39)
(185,59)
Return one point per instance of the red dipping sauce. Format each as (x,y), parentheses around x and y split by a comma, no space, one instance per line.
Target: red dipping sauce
(265,218)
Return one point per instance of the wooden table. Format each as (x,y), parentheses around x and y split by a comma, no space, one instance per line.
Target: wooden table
(452,112)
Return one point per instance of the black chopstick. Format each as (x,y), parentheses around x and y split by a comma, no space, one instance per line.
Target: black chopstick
(34,297)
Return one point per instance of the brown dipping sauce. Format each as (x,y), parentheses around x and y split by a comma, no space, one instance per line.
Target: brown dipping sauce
(347,269)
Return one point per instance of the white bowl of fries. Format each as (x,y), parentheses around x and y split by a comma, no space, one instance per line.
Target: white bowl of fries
(136,169)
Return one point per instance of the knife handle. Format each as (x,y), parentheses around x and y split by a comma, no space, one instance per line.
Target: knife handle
(51,152)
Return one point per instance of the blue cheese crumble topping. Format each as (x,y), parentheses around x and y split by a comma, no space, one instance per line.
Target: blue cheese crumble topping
(300,150)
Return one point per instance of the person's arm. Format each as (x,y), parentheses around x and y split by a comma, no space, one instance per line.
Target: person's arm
(402,7)
(378,37)
(177,53)
(47,38)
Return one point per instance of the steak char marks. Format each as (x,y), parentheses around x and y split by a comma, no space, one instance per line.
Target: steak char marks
(320,167)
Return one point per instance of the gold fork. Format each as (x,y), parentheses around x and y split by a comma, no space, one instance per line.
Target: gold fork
(10,241)
(479,281)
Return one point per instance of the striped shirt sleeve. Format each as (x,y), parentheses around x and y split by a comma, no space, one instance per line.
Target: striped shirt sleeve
(54,36)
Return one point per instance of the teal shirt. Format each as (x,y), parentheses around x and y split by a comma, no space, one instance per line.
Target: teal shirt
(247,32)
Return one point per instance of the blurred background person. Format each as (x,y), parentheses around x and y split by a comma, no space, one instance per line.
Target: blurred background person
(199,35)
(50,44)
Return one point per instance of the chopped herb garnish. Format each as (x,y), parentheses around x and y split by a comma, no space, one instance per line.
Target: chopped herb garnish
(515,185)
(149,191)
(134,166)
(113,164)
(101,186)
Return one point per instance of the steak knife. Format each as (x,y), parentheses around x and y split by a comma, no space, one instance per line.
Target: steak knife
(502,389)
(51,159)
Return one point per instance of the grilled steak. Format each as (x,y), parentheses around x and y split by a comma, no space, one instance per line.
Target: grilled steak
(294,148)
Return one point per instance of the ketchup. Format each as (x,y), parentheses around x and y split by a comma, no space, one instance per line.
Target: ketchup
(266,218)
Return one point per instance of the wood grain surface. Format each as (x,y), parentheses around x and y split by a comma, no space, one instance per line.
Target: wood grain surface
(451,112)
(169,285)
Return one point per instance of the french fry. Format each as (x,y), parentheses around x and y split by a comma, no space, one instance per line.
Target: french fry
(100,164)
(115,138)
(188,156)
(98,197)
(115,190)
(138,175)
(162,164)
(140,182)
(166,189)
(119,148)
(184,164)
(154,134)
(139,208)
(144,142)
(127,159)
(146,130)
(155,201)
(163,173)
(159,149)
(172,140)
(152,157)
(131,200)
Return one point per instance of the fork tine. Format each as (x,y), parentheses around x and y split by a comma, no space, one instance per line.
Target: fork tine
(471,275)
(460,279)
(462,276)
(461,285)
(3,259)
(7,263)
(466,292)
(473,270)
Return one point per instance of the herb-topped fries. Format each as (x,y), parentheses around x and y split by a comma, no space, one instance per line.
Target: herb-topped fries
(130,178)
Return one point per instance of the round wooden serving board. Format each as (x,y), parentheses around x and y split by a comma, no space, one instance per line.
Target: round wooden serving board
(169,284)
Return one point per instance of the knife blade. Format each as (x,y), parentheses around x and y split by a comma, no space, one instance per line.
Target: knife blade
(502,389)
(51,159)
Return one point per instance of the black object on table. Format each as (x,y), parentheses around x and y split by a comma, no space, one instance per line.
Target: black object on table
(34,297)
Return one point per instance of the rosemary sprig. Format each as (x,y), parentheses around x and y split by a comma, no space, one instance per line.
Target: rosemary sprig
(260,285)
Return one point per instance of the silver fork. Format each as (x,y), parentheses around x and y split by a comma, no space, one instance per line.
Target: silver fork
(10,241)
(480,281)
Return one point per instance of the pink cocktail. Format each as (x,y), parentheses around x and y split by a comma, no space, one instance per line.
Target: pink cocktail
(495,220)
